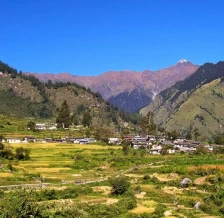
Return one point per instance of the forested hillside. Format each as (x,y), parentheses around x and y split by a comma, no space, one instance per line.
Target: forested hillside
(195,103)
(25,96)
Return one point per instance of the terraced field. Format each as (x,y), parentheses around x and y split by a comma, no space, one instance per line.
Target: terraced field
(78,176)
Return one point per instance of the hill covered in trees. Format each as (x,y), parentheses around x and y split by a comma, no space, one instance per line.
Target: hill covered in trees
(25,96)
(194,103)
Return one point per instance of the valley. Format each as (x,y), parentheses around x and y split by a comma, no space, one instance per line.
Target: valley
(67,152)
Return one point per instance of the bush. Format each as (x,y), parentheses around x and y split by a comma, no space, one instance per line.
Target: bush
(120,185)
(129,202)
(22,204)
(159,211)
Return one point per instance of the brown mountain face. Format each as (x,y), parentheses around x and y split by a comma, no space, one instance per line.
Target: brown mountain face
(129,89)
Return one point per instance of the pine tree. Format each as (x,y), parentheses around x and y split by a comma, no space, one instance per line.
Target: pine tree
(86,119)
(147,124)
(63,119)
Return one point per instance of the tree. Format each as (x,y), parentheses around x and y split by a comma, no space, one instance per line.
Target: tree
(88,132)
(2,146)
(172,135)
(31,125)
(86,119)
(103,134)
(189,136)
(196,133)
(22,153)
(7,153)
(126,148)
(219,139)
(1,149)
(201,150)
(63,119)
(120,185)
(147,123)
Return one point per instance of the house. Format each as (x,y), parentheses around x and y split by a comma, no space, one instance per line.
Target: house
(156,149)
(114,141)
(166,142)
(40,126)
(187,146)
(209,147)
(179,139)
(151,138)
(127,138)
(171,151)
(83,141)
(52,128)
(90,140)
(13,140)
(160,138)
(48,139)
(41,140)
(140,142)
(59,140)
(29,139)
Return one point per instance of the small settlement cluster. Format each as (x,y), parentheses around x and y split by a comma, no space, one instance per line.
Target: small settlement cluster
(153,144)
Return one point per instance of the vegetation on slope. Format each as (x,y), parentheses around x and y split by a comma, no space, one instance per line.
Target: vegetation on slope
(73,180)
(25,96)
(196,102)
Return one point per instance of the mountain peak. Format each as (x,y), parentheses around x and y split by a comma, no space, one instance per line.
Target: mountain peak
(182,61)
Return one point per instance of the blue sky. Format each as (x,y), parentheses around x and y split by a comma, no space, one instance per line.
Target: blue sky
(89,37)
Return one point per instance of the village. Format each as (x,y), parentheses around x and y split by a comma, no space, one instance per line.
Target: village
(151,143)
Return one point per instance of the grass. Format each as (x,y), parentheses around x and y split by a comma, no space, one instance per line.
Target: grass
(63,164)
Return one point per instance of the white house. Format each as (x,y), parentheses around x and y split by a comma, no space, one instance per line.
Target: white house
(156,149)
(13,140)
(40,126)
(114,141)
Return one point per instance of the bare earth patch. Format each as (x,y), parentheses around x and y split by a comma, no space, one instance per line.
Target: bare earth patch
(166,177)
(112,201)
(105,189)
(172,190)
(201,181)
(141,195)
(134,175)
(76,175)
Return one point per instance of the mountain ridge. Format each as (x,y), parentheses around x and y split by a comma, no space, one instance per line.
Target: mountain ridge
(116,86)
(195,102)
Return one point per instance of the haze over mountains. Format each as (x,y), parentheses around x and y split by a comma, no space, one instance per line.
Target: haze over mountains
(128,89)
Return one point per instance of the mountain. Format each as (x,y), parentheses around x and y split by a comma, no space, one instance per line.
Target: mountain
(122,88)
(25,96)
(194,103)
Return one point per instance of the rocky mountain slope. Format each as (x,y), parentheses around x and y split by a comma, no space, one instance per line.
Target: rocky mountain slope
(129,89)
(196,102)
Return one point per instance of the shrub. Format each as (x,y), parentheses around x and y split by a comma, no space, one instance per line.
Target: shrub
(120,185)
(159,211)
(22,204)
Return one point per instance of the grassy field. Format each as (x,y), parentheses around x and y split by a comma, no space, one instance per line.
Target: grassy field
(155,179)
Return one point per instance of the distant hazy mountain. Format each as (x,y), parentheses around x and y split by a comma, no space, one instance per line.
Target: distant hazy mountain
(128,89)
(196,102)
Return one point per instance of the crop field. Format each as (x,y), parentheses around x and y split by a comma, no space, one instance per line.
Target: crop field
(73,178)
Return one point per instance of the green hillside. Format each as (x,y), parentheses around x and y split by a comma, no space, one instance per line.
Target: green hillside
(196,102)
(23,96)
